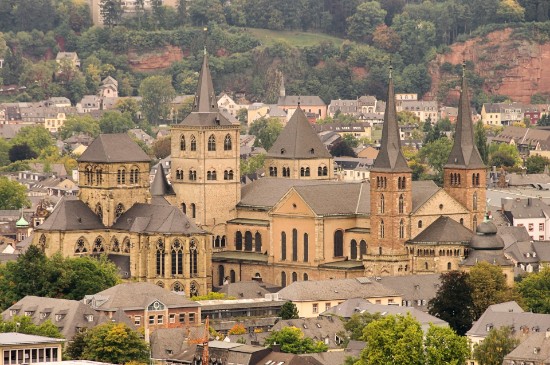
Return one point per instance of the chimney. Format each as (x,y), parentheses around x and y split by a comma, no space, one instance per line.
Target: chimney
(276,347)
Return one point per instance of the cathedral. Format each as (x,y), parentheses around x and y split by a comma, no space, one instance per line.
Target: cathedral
(298,223)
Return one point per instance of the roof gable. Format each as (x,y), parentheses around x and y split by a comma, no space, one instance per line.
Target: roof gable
(444,229)
(109,148)
(439,201)
(293,204)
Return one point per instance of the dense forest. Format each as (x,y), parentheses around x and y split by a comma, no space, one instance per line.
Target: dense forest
(373,34)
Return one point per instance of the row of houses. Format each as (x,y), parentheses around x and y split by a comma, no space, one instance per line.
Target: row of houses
(504,114)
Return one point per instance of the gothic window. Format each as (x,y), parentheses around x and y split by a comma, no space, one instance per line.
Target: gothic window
(193,143)
(338,243)
(98,245)
(227,145)
(182,143)
(362,249)
(223,242)
(216,242)
(177,258)
(115,245)
(134,175)
(382,205)
(477,179)
(401,229)
(283,245)
(294,277)
(474,201)
(306,277)
(193,289)
(81,246)
(353,249)
(178,287)
(160,258)
(248,241)
(121,176)
(99,211)
(211,143)
(402,184)
(258,242)
(273,171)
(42,242)
(98,176)
(193,259)
(192,175)
(126,245)
(306,247)
(381,229)
(283,279)
(193,211)
(238,241)
(401,204)
(419,224)
(232,276)
(119,210)
(320,171)
(294,244)
(160,283)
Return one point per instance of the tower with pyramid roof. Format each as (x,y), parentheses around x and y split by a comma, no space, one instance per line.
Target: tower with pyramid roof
(465,172)
(298,153)
(390,193)
(205,172)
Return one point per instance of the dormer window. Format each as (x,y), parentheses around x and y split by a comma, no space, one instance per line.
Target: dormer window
(90,317)
(59,317)
(312,151)
(28,313)
(13,312)
(283,151)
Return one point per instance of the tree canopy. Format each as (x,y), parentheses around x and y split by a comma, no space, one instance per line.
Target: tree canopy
(266,131)
(157,93)
(24,324)
(535,290)
(292,340)
(498,343)
(289,311)
(13,195)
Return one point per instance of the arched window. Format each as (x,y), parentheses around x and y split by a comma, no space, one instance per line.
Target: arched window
(192,175)
(258,242)
(98,246)
(302,172)
(184,208)
(401,229)
(382,204)
(462,221)
(222,242)
(286,171)
(211,175)
(294,244)
(362,249)
(182,143)
(178,287)
(121,176)
(193,143)
(382,229)
(160,258)
(42,243)
(248,241)
(420,224)
(473,179)
(474,224)
(193,259)
(306,277)
(320,171)
(211,143)
(134,174)
(353,250)
(401,204)
(283,245)
(426,265)
(338,243)
(126,245)
(227,146)
(283,279)
(306,247)
(99,176)
(403,182)
(193,289)
(193,210)
(238,241)
(273,171)
(449,266)
(177,258)
(115,245)
(232,276)
(294,277)
(221,275)
(452,178)
(119,210)
(474,201)
(228,175)
(458,179)
(81,246)
(216,241)
(89,175)
(307,172)
(325,171)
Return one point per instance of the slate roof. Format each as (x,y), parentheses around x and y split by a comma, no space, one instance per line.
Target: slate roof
(495,257)
(390,158)
(245,289)
(322,328)
(535,349)
(421,192)
(298,140)
(295,100)
(160,185)
(444,229)
(336,289)
(413,287)
(14,338)
(464,153)
(43,309)
(71,214)
(170,343)
(109,148)
(156,219)
(140,295)
(525,208)
(508,314)
(337,199)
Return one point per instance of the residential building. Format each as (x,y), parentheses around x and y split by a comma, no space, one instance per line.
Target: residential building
(424,110)
(353,168)
(308,103)
(70,57)
(261,110)
(224,310)
(534,350)
(326,329)
(531,213)
(527,140)
(502,113)
(129,8)
(108,88)
(89,103)
(19,349)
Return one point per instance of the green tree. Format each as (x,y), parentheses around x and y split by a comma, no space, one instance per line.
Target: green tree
(535,290)
(111,12)
(24,324)
(115,122)
(252,164)
(480,136)
(85,275)
(498,343)
(38,138)
(535,164)
(436,154)
(157,93)
(289,311)
(393,340)
(357,323)
(444,347)
(367,16)
(161,147)
(13,195)
(266,131)
(76,124)
(503,155)
(75,348)
(453,301)
(342,149)
(544,121)
(115,343)
(4,152)
(292,340)
(21,152)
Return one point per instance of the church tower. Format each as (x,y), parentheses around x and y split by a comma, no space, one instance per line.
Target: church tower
(205,160)
(464,174)
(391,197)
(113,175)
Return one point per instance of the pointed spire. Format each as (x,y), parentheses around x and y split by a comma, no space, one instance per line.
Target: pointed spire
(160,185)
(390,158)
(464,154)
(205,98)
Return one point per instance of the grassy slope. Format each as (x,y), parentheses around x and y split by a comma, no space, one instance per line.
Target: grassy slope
(293,38)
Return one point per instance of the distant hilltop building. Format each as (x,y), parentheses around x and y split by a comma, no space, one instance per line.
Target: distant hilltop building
(129,8)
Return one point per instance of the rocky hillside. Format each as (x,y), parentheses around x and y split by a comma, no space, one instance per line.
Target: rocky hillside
(512,67)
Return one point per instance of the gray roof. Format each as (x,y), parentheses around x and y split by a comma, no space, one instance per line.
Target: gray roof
(495,257)
(508,314)
(160,185)
(245,289)
(526,208)
(422,191)
(117,147)
(75,313)
(150,218)
(298,140)
(321,328)
(535,349)
(71,214)
(14,338)
(464,154)
(335,289)
(390,158)
(297,100)
(337,199)
(140,295)
(412,287)
(444,229)
(170,343)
